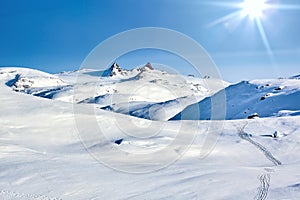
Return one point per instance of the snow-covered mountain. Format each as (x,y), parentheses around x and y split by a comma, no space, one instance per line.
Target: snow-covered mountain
(157,95)
(149,92)
(141,92)
(257,98)
(25,79)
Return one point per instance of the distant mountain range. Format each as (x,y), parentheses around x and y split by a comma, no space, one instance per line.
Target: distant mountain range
(153,94)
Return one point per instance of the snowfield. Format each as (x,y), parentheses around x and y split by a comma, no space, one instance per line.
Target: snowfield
(59,140)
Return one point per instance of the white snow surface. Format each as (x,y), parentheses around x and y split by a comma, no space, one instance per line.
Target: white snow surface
(266,98)
(42,155)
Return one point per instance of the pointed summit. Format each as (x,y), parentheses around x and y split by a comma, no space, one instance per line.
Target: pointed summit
(148,66)
(111,71)
(116,70)
(115,65)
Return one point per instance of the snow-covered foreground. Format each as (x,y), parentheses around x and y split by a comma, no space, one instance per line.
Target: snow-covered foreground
(42,155)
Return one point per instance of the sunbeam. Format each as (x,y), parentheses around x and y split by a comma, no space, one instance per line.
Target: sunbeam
(226,18)
(264,36)
(254,10)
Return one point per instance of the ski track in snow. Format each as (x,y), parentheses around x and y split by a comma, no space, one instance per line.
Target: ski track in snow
(264,187)
(266,152)
(264,178)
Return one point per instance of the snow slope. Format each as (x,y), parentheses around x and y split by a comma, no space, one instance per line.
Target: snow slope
(266,98)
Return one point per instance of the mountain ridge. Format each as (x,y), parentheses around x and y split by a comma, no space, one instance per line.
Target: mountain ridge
(149,93)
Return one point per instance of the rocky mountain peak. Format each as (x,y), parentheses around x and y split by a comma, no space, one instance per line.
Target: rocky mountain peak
(117,70)
(148,66)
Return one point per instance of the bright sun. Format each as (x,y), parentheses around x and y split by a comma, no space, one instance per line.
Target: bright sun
(254,8)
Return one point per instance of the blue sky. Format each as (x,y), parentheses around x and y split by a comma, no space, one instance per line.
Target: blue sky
(56,35)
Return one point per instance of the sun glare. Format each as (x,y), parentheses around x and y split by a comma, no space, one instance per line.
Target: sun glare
(258,11)
(253,8)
